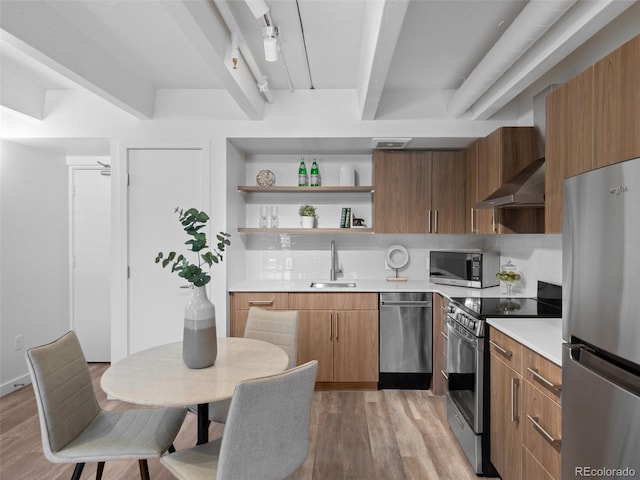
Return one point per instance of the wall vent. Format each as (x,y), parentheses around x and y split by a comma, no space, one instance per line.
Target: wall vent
(390,143)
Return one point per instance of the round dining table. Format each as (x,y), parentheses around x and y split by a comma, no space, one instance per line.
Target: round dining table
(159,377)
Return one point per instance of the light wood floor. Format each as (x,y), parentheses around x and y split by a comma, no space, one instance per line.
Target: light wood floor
(386,435)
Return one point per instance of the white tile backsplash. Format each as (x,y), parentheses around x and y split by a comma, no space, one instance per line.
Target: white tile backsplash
(537,257)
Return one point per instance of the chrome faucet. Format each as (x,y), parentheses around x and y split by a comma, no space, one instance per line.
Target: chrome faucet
(334,270)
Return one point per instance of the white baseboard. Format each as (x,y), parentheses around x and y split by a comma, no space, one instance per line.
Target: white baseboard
(14,385)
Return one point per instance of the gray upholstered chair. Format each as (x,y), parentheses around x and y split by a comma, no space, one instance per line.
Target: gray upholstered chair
(279,327)
(73,426)
(266,435)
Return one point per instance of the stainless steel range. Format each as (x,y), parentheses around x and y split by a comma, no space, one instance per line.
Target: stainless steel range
(468,395)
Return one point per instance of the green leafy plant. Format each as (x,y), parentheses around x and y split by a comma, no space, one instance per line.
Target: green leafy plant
(193,221)
(307,211)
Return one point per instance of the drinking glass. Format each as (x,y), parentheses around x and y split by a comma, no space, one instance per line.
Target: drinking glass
(264,217)
(273,221)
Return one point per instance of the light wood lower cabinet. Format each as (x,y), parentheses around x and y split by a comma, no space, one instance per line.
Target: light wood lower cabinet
(242,301)
(505,432)
(525,411)
(340,330)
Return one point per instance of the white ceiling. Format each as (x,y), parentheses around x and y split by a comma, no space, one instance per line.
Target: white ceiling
(394,53)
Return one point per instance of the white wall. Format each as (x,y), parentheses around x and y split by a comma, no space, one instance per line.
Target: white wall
(34,292)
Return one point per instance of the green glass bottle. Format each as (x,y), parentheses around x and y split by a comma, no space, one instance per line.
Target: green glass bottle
(303,180)
(315,174)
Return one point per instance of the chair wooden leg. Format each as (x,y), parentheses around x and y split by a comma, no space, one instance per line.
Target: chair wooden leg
(99,470)
(144,470)
(77,471)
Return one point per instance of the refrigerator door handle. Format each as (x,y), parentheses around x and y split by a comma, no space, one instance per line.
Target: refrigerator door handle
(589,360)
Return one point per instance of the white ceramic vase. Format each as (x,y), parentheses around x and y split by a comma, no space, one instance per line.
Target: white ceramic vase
(199,341)
(307,222)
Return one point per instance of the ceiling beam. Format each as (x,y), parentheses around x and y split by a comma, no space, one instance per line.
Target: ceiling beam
(204,27)
(20,95)
(571,31)
(530,25)
(382,25)
(39,31)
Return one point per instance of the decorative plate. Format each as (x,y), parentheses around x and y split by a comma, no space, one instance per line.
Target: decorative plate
(265,178)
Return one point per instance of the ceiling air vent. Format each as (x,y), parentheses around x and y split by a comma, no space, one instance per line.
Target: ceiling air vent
(389,143)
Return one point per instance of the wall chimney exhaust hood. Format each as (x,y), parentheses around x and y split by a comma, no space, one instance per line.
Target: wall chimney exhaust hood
(525,189)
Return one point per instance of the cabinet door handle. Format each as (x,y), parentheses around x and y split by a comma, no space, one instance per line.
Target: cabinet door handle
(429,222)
(444,374)
(472,222)
(549,438)
(550,385)
(331,331)
(435,230)
(444,335)
(337,327)
(505,353)
(493,221)
(514,386)
(261,302)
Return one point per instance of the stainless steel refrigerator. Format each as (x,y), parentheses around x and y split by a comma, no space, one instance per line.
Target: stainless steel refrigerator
(601,323)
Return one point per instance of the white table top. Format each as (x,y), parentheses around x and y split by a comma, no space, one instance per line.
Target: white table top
(159,377)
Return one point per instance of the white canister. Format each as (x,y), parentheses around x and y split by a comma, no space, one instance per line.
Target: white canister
(347,176)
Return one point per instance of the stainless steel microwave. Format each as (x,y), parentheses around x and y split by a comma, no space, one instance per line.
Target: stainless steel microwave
(466,268)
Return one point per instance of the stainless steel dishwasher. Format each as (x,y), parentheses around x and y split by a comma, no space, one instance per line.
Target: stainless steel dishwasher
(406,340)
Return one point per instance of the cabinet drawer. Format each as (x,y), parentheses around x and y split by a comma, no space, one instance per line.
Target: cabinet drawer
(545,375)
(268,300)
(542,422)
(532,469)
(506,348)
(333,301)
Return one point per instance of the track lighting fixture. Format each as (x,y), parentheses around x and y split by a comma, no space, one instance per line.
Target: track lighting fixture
(270,39)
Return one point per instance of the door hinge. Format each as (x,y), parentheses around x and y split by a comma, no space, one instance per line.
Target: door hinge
(128,180)
(128,271)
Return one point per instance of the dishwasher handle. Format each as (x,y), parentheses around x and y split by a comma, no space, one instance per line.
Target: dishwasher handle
(407,303)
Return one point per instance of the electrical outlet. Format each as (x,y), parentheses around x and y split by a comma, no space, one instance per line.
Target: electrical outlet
(18,342)
(288,263)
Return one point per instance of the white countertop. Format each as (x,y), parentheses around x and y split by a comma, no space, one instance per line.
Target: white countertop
(363,285)
(542,335)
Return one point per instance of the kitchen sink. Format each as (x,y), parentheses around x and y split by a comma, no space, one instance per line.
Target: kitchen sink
(332,284)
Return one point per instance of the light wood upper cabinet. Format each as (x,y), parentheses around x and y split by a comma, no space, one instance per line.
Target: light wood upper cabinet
(471,187)
(569,141)
(617,105)
(501,155)
(593,120)
(448,178)
(418,192)
(402,186)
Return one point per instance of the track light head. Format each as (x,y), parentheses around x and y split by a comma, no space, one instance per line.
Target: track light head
(270,39)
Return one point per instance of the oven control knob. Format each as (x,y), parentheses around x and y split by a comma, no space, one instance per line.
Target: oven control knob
(472,324)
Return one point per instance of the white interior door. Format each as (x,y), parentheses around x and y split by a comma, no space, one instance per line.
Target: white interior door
(159,181)
(91,262)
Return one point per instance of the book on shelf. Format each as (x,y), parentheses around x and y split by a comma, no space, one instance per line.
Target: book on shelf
(345,218)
